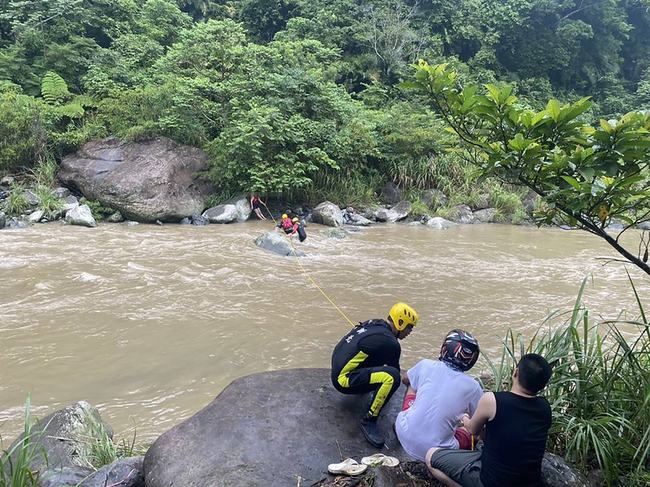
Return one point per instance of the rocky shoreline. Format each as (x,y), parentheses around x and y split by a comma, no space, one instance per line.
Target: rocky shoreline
(160,181)
(271,429)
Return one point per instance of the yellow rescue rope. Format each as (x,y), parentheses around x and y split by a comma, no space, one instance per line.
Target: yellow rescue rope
(295,254)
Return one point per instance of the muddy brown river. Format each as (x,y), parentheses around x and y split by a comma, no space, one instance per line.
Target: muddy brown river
(150,323)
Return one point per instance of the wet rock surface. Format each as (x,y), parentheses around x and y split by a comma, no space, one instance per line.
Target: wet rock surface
(234,210)
(145,181)
(278,243)
(298,432)
(556,472)
(65,438)
(439,223)
(80,215)
(329,214)
(394,214)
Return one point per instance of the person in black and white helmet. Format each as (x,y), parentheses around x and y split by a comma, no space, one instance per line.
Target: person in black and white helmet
(438,394)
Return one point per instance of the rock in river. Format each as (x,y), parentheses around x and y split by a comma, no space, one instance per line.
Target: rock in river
(396,213)
(234,210)
(80,215)
(328,214)
(145,181)
(276,242)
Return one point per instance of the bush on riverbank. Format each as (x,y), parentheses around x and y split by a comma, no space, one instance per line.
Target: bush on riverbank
(599,390)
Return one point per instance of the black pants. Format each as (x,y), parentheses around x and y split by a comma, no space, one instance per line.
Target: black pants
(383,381)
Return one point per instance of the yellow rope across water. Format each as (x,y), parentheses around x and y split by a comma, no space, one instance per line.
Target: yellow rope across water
(293,250)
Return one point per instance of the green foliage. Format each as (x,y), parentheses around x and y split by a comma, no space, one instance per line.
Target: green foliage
(17,138)
(50,204)
(419,208)
(587,175)
(599,389)
(14,463)
(98,210)
(519,216)
(17,202)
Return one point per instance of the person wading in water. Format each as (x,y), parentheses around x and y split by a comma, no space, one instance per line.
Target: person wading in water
(367,360)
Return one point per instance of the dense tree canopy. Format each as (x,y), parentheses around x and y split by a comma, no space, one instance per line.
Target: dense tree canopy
(300,95)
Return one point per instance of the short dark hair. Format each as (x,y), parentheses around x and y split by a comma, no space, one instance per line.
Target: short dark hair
(534,372)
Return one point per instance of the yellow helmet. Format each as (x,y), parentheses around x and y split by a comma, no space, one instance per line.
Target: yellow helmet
(294,220)
(403,315)
(284,215)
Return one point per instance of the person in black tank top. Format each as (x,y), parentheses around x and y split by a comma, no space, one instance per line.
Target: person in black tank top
(367,360)
(516,429)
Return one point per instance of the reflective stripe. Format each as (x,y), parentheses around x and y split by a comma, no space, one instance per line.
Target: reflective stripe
(352,364)
(386,380)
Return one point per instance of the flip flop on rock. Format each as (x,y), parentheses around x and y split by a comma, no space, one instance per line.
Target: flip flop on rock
(348,466)
(379,459)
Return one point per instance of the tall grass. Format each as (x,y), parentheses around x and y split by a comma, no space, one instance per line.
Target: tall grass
(17,202)
(14,463)
(599,390)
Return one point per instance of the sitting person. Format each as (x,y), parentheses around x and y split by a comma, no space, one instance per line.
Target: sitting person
(367,360)
(438,394)
(516,428)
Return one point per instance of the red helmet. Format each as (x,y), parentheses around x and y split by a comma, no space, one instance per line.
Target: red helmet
(460,350)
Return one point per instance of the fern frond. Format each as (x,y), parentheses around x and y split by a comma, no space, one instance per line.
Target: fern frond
(86,101)
(54,88)
(71,110)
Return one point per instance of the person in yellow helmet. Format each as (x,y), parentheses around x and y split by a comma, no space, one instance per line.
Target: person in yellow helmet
(286,224)
(299,229)
(367,360)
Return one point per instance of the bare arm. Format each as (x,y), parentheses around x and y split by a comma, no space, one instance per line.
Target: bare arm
(486,410)
(405,379)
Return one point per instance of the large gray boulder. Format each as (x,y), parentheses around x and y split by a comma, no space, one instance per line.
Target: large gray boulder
(221,214)
(556,472)
(277,242)
(144,181)
(329,214)
(396,213)
(65,438)
(236,209)
(439,223)
(266,429)
(80,215)
(3,220)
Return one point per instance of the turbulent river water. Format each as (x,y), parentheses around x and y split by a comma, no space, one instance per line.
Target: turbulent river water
(150,323)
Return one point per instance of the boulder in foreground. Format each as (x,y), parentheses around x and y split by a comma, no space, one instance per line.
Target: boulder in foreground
(266,429)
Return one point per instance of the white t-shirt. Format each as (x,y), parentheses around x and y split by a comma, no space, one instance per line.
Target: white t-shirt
(443,395)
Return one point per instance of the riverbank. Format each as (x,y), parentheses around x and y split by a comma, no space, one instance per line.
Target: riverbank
(235,442)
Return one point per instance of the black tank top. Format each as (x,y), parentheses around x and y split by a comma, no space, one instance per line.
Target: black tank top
(515,441)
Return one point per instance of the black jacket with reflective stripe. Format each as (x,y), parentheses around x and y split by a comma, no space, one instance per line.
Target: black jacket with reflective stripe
(375,339)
